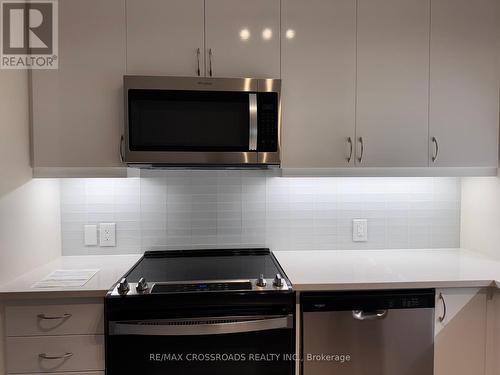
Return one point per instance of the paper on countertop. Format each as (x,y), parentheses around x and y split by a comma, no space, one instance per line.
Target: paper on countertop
(66,278)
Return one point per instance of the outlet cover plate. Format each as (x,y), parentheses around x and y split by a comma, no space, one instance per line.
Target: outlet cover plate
(107,234)
(359,230)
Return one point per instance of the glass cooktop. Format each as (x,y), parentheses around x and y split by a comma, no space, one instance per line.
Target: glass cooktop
(204,265)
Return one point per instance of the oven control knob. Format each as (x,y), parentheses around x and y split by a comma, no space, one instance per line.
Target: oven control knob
(123,287)
(278,281)
(261,282)
(142,285)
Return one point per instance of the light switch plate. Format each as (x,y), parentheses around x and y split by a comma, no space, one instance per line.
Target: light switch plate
(107,234)
(90,238)
(360,230)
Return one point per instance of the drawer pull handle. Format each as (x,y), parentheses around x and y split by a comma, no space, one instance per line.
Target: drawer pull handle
(47,356)
(55,317)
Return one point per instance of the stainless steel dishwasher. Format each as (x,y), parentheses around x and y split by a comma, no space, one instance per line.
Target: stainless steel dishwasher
(368,333)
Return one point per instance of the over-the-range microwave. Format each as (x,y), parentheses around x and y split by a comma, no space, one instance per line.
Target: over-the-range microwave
(193,121)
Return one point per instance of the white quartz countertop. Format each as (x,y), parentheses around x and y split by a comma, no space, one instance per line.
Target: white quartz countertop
(388,269)
(111,268)
(307,270)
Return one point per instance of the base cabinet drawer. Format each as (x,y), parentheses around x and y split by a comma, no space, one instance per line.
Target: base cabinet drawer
(55,354)
(55,319)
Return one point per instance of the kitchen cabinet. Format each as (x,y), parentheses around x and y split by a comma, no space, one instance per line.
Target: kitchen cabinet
(318,70)
(392,83)
(464,83)
(493,346)
(242,38)
(425,88)
(72,328)
(372,83)
(34,354)
(165,37)
(460,338)
(77,110)
(224,38)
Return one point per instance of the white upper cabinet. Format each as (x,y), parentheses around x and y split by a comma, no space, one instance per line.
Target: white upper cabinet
(242,38)
(78,108)
(392,83)
(319,81)
(464,83)
(165,37)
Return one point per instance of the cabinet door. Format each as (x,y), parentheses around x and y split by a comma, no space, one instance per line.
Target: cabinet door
(78,109)
(493,343)
(319,81)
(243,38)
(393,83)
(460,339)
(164,37)
(464,83)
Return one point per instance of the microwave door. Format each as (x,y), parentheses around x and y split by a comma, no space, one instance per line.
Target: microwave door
(191,127)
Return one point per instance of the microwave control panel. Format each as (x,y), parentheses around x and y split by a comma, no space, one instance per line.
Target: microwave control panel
(267,119)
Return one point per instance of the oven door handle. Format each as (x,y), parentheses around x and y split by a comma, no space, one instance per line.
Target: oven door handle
(252,111)
(193,327)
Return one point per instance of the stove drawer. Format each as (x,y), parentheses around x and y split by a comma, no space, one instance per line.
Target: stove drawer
(225,345)
(55,354)
(82,318)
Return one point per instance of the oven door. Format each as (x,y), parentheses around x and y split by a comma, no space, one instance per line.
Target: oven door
(172,120)
(243,345)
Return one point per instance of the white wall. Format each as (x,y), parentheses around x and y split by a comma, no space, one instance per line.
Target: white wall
(480,227)
(29,209)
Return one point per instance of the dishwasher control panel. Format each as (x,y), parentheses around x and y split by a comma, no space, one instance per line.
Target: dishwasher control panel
(368,300)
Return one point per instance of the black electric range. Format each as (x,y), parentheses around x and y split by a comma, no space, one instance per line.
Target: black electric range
(202,311)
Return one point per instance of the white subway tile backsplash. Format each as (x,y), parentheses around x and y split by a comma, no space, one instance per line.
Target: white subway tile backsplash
(182,209)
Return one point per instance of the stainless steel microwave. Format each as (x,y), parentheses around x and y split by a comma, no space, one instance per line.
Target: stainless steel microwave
(193,121)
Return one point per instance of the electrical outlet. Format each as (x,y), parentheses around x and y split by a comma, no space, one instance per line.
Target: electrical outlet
(90,235)
(360,230)
(107,234)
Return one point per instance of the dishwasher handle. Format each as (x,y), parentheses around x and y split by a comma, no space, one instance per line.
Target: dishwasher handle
(369,315)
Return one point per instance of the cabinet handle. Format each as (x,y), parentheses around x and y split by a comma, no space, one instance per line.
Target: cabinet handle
(360,159)
(63,356)
(54,317)
(436,149)
(121,149)
(210,62)
(442,317)
(349,141)
(198,62)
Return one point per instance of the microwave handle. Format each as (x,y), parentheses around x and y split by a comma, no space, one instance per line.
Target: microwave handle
(191,328)
(252,106)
